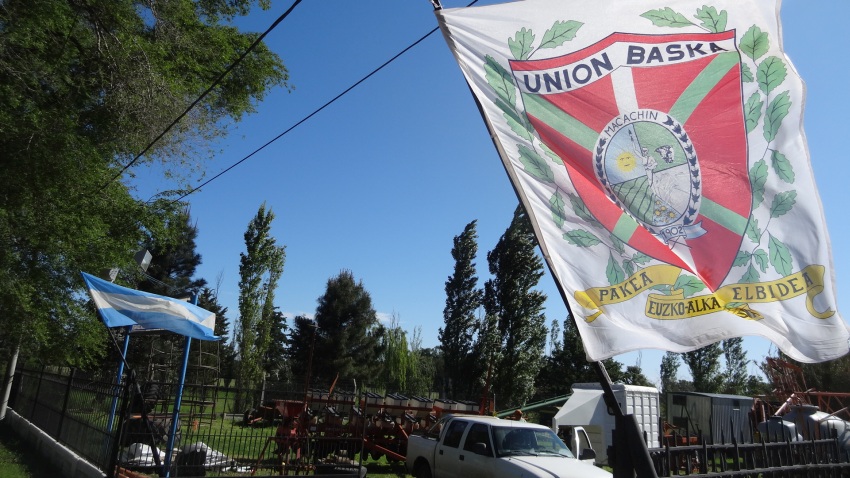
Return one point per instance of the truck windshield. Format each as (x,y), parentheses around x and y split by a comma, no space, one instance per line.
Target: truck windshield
(512,441)
(434,431)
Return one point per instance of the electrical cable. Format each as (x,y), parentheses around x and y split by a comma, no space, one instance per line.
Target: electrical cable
(205,93)
(316,111)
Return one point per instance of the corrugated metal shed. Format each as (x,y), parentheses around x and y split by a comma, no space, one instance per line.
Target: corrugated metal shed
(715,417)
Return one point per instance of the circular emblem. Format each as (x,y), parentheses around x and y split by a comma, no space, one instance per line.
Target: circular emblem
(648,166)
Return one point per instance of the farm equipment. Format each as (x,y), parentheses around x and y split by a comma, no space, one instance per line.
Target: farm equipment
(331,427)
(790,390)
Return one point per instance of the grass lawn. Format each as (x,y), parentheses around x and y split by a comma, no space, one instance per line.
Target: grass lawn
(382,470)
(18,461)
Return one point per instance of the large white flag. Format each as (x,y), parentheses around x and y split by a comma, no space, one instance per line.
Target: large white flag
(124,307)
(658,148)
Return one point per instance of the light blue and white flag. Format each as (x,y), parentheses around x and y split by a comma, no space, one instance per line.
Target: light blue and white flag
(124,307)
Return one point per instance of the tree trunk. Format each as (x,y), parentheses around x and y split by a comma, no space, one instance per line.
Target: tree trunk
(10,375)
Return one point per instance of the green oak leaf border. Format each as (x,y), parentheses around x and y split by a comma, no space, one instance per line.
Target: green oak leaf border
(768,106)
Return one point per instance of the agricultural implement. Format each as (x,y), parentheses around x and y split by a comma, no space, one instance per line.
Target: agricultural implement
(329,428)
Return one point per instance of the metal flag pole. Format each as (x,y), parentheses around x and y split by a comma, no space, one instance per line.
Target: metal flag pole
(118,378)
(175,416)
(128,396)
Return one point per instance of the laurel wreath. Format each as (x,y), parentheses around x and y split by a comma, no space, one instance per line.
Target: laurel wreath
(766,106)
(692,208)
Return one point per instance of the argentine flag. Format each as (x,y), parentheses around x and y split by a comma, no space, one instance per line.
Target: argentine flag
(124,307)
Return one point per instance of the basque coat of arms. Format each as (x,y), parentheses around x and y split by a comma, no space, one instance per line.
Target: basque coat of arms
(652,131)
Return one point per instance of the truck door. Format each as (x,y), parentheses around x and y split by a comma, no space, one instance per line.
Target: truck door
(583,443)
(447,455)
(477,461)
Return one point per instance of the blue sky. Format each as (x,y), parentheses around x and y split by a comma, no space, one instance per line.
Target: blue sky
(382,180)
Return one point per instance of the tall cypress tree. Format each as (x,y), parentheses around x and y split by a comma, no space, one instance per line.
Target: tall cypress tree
(259,269)
(488,342)
(516,270)
(463,298)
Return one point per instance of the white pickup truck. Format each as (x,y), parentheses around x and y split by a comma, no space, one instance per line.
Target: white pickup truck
(487,447)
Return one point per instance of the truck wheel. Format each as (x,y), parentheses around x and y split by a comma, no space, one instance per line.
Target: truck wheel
(422,470)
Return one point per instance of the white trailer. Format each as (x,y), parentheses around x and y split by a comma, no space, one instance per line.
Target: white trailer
(586,408)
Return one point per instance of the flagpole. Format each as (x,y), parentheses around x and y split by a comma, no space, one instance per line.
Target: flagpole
(115,392)
(118,377)
(113,458)
(169,447)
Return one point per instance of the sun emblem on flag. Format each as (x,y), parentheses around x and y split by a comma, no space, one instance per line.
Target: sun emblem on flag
(647,164)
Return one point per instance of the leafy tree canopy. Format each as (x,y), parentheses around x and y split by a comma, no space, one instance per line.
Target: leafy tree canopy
(516,270)
(568,365)
(85,85)
(704,365)
(260,268)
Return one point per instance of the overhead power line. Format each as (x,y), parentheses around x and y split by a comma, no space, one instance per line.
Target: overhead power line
(205,93)
(316,111)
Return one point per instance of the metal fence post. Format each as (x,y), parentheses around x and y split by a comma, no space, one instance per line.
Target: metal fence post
(65,404)
(37,392)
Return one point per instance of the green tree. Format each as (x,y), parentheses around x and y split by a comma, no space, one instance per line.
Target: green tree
(554,336)
(275,363)
(174,259)
(396,357)
(669,370)
(431,364)
(516,270)
(85,87)
(259,269)
(633,375)
(349,336)
(735,376)
(208,299)
(421,366)
(488,343)
(171,272)
(463,298)
(704,365)
(568,364)
(301,345)
(271,328)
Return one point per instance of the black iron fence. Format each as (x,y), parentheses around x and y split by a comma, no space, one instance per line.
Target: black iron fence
(285,430)
(765,456)
(290,430)
(69,406)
